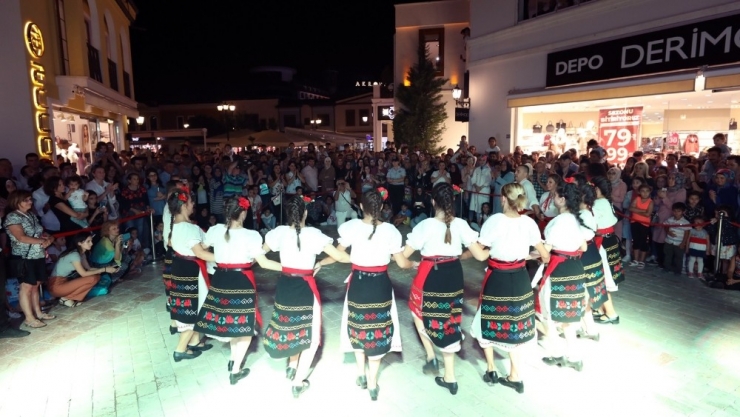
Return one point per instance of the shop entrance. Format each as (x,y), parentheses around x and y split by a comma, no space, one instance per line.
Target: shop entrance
(680,122)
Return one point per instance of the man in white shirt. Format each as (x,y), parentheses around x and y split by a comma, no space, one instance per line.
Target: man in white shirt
(48,218)
(311,174)
(106,192)
(522,177)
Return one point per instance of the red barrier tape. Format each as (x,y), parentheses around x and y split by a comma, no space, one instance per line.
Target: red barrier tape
(666,225)
(92,229)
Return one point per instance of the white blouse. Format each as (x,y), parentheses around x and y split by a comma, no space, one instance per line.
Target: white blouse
(562,233)
(547,205)
(589,220)
(185,236)
(530,193)
(242,247)
(429,237)
(377,251)
(166,221)
(509,238)
(283,239)
(604,213)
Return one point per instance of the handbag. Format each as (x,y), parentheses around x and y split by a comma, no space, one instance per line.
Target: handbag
(570,130)
(550,127)
(560,124)
(537,128)
(733,124)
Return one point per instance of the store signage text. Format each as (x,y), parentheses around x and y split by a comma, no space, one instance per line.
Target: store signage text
(619,130)
(35,45)
(713,42)
(367,83)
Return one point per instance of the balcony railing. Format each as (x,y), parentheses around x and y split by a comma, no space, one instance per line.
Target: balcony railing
(93,61)
(127,84)
(529,9)
(113,74)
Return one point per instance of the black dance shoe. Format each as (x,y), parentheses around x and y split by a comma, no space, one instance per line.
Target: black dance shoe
(234,378)
(431,367)
(290,373)
(490,378)
(563,362)
(231,365)
(452,386)
(173,329)
(178,356)
(297,391)
(374,393)
(361,382)
(581,334)
(517,386)
(197,348)
(608,320)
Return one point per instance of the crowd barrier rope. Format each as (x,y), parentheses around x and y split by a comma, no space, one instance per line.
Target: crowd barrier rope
(149,213)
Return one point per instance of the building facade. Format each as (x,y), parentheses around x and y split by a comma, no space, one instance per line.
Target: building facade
(633,74)
(66,81)
(442,27)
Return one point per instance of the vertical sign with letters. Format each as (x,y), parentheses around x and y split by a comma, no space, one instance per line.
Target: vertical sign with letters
(35,46)
(619,132)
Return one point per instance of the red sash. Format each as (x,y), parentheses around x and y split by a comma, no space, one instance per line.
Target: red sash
(500,265)
(556,258)
(417,286)
(201,264)
(599,238)
(246,270)
(307,275)
(381,268)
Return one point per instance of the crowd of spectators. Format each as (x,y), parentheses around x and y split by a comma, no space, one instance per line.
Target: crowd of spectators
(48,199)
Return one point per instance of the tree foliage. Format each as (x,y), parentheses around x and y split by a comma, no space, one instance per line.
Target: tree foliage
(420,121)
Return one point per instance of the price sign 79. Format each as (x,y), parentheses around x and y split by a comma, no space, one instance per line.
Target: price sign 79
(619,143)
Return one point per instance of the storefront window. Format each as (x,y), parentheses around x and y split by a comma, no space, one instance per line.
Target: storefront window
(529,9)
(684,123)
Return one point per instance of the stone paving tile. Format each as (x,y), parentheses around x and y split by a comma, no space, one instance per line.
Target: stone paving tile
(674,354)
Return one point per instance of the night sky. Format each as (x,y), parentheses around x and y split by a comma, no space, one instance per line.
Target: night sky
(194,50)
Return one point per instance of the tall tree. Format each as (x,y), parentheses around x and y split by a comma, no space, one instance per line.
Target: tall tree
(420,121)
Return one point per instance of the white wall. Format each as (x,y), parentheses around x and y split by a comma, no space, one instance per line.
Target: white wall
(17,132)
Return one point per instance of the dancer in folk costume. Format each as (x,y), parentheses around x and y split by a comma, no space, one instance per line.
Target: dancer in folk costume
(189,275)
(505,318)
(172,186)
(436,298)
(294,331)
(608,242)
(370,326)
(230,312)
(593,265)
(548,211)
(562,285)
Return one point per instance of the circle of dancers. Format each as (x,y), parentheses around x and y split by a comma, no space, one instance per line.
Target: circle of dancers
(211,287)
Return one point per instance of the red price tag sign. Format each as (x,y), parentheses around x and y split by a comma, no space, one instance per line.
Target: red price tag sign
(619,132)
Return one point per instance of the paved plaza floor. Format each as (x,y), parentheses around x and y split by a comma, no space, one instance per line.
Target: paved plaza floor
(675,353)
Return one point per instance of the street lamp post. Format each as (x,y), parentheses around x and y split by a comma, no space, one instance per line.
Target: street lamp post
(226,109)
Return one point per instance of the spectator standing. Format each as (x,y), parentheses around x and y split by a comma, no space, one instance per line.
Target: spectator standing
(28,242)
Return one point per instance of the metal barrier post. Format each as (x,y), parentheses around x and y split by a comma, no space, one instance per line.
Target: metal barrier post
(719,243)
(151,229)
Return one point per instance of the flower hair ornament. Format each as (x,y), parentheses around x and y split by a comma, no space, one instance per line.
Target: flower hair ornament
(307,199)
(457,189)
(570,180)
(243,203)
(183,197)
(185,189)
(383,193)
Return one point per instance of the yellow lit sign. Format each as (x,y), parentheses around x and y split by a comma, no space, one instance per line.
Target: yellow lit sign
(35,46)
(34,40)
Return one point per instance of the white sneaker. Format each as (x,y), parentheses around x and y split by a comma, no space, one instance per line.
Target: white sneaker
(627,258)
(650,259)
